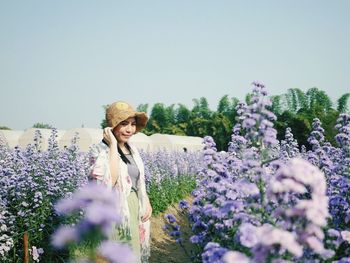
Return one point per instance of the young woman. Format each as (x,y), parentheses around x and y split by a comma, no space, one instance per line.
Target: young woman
(117,164)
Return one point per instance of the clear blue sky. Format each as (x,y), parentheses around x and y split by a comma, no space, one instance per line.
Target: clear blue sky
(60,61)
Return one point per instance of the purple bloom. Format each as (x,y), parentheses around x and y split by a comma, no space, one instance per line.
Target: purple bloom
(248,123)
(195,239)
(64,235)
(248,237)
(234,256)
(102,215)
(101,212)
(213,253)
(175,233)
(170,218)
(116,253)
(183,204)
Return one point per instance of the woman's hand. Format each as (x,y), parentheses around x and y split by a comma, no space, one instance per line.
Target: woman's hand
(109,137)
(148,213)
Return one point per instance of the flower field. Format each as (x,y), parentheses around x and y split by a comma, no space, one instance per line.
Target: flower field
(33,181)
(262,200)
(269,201)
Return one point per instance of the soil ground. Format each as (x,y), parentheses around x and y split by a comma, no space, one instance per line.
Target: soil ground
(164,249)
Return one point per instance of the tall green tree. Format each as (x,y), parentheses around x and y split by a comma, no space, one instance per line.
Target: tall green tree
(142,107)
(276,106)
(103,123)
(40,125)
(295,100)
(221,130)
(161,119)
(201,116)
(201,108)
(343,103)
(318,100)
(227,107)
(182,119)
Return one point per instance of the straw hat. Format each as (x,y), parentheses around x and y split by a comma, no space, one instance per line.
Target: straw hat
(120,111)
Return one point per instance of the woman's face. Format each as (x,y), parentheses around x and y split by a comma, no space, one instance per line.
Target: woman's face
(125,130)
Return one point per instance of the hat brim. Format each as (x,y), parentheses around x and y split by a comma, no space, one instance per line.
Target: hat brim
(141,120)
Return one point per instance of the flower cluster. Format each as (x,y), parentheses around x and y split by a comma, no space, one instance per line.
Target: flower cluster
(170,176)
(289,147)
(31,181)
(268,201)
(100,218)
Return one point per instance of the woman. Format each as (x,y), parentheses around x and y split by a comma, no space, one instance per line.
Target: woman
(117,164)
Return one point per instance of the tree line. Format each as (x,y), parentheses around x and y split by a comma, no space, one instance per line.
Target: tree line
(295,109)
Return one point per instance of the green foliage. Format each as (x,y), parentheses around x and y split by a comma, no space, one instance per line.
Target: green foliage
(4,128)
(295,109)
(343,103)
(169,191)
(221,130)
(299,123)
(161,119)
(142,107)
(104,121)
(40,125)
(318,100)
(295,100)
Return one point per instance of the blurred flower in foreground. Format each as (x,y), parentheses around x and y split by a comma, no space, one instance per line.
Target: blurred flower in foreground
(100,211)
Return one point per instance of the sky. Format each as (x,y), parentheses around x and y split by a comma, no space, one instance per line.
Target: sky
(61,61)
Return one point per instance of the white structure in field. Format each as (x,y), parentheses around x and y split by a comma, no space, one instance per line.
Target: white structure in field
(175,142)
(27,137)
(142,141)
(87,137)
(10,138)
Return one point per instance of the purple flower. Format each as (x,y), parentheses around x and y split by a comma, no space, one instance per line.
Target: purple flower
(234,256)
(195,239)
(101,211)
(116,253)
(345,236)
(64,235)
(183,204)
(170,218)
(248,237)
(213,252)
(102,215)
(248,123)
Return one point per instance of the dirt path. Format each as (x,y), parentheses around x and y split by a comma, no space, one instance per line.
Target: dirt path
(163,248)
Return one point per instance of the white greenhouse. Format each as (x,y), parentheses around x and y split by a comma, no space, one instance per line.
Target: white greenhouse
(89,136)
(27,137)
(141,141)
(10,137)
(86,138)
(175,142)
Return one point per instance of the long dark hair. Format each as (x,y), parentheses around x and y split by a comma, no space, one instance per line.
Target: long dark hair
(122,155)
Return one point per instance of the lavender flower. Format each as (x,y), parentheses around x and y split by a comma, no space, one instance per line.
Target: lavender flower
(234,256)
(116,253)
(183,204)
(65,235)
(101,209)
